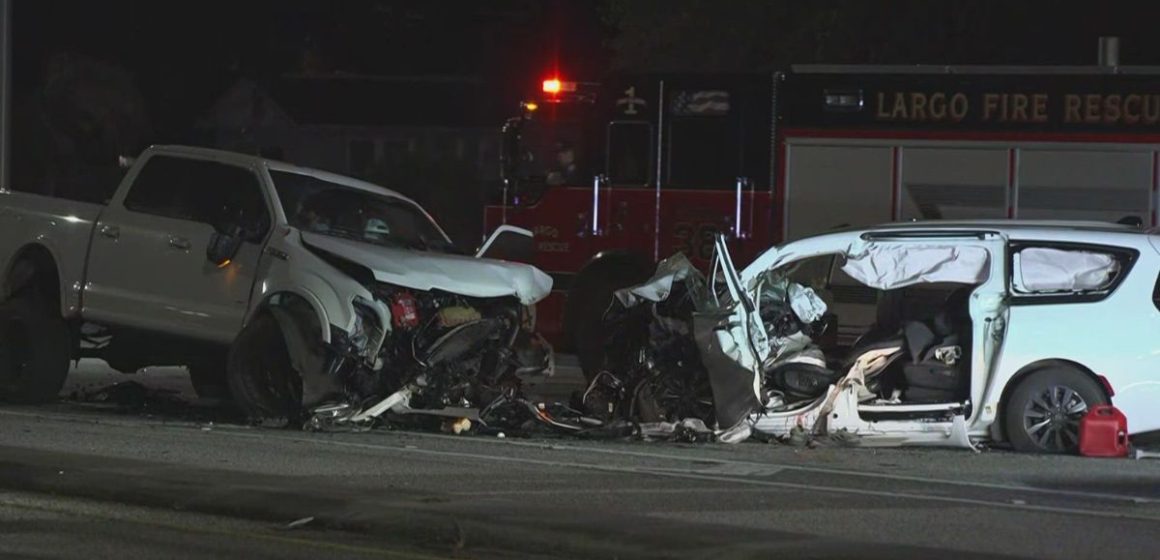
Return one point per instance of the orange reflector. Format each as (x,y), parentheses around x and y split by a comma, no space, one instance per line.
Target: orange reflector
(224,264)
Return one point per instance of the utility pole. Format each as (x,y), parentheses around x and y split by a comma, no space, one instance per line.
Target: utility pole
(5,93)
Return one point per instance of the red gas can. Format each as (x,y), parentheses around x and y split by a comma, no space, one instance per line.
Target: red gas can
(1103,432)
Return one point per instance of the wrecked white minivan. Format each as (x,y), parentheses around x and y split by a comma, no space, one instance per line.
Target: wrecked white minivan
(942,333)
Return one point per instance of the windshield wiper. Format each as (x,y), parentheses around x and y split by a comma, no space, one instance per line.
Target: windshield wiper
(421,244)
(342,232)
(443,245)
(418,244)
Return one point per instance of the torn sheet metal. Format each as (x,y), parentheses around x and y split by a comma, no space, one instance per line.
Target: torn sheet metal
(890,266)
(1040,269)
(430,270)
(734,380)
(673,269)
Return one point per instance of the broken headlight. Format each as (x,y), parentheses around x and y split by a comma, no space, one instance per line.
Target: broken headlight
(364,337)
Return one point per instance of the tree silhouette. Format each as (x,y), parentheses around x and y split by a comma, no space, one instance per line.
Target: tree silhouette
(70,131)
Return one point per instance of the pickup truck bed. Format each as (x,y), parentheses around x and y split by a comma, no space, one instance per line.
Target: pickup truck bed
(61,228)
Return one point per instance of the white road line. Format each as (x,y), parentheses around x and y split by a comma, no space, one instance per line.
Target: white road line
(609,492)
(555,445)
(692,475)
(809,469)
(100,417)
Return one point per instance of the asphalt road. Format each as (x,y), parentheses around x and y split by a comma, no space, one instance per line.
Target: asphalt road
(41,526)
(483,497)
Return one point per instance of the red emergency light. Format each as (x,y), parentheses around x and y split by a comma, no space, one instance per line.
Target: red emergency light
(555,86)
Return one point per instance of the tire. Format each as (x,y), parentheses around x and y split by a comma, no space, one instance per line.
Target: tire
(208,376)
(588,301)
(262,382)
(35,349)
(1054,399)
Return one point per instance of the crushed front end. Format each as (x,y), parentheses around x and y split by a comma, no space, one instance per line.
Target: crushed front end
(431,353)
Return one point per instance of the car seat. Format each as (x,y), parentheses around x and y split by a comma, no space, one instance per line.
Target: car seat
(939,352)
(887,322)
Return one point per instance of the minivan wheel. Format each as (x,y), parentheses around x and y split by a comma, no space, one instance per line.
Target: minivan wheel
(35,348)
(1043,413)
(261,379)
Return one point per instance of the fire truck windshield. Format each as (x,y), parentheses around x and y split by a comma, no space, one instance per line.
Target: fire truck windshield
(554,153)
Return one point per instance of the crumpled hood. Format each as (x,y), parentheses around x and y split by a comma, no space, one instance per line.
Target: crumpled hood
(423,270)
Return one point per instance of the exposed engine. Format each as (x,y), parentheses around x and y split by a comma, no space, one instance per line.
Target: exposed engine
(441,352)
(653,371)
(455,349)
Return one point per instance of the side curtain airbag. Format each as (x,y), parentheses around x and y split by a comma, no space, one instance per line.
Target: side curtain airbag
(890,266)
(1040,269)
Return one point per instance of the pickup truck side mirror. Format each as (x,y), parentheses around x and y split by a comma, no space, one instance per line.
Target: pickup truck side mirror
(223,247)
(509,243)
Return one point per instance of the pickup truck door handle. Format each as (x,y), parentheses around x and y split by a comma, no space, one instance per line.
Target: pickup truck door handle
(179,243)
(112,232)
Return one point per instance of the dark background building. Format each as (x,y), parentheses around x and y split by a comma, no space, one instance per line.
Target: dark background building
(412,94)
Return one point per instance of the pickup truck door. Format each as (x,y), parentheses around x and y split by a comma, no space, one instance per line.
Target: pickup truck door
(147,262)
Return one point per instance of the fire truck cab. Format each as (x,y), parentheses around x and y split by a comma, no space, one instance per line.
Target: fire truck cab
(612,177)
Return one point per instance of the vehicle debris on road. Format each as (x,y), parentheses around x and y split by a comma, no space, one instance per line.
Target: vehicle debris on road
(314,300)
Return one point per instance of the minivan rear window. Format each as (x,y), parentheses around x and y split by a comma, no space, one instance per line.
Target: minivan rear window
(1056,272)
(1045,270)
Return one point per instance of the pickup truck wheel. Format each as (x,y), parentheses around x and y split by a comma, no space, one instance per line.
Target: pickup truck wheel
(261,380)
(35,348)
(208,376)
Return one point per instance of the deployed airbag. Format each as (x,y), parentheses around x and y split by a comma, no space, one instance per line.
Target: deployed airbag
(886,267)
(1039,269)
(658,288)
(806,304)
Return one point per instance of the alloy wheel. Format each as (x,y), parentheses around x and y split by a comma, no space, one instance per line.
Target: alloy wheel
(1051,418)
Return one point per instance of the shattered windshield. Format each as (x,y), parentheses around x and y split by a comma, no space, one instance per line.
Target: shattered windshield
(320,206)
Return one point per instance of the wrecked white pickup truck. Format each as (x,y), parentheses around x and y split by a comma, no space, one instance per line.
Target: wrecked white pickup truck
(1002,331)
(300,293)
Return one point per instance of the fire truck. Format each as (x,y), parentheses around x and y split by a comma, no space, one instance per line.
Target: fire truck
(613,176)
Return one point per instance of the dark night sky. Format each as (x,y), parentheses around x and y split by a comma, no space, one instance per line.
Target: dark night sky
(182,55)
